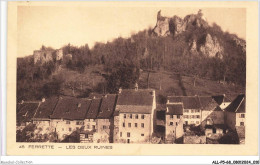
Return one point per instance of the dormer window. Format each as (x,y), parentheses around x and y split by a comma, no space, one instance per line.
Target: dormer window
(108,109)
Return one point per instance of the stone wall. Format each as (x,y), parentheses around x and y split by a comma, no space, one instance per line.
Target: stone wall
(194,139)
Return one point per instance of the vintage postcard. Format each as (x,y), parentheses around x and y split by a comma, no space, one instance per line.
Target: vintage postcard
(132,78)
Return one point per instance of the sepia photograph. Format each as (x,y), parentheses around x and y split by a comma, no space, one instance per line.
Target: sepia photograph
(102,76)
(181,80)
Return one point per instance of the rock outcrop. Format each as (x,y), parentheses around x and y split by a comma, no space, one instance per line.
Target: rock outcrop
(211,47)
(162,25)
(46,55)
(176,25)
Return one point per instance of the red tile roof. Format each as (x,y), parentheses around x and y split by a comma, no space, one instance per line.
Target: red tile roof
(174,109)
(237,105)
(134,109)
(141,97)
(197,102)
(71,108)
(46,108)
(25,112)
(107,106)
(93,109)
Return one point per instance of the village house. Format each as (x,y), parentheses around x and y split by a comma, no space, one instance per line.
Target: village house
(211,112)
(191,108)
(91,115)
(235,116)
(173,122)
(68,116)
(134,116)
(41,118)
(235,113)
(105,120)
(25,112)
(86,136)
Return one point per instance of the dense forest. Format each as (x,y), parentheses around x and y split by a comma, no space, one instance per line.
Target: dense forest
(123,59)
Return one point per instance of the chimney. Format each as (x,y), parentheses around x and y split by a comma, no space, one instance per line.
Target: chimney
(79,105)
(167,109)
(22,102)
(120,90)
(168,101)
(43,99)
(136,87)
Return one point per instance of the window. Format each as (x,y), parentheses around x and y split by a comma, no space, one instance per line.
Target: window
(142,116)
(62,129)
(186,110)
(77,123)
(104,127)
(171,123)
(142,125)
(128,134)
(197,110)
(136,116)
(131,116)
(124,115)
(123,124)
(197,122)
(176,124)
(135,124)
(192,111)
(242,116)
(120,134)
(70,129)
(67,122)
(142,134)
(241,123)
(178,116)
(198,116)
(93,127)
(88,126)
(86,135)
(129,124)
(171,116)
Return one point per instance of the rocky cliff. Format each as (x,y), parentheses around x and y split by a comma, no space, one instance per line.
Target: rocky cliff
(205,43)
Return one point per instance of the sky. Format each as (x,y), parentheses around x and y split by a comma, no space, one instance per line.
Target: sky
(58,26)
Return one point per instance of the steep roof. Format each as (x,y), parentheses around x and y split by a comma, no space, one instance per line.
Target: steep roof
(197,102)
(95,96)
(26,111)
(189,102)
(134,109)
(219,98)
(205,101)
(46,108)
(174,99)
(70,108)
(142,97)
(174,109)
(208,103)
(107,106)
(93,109)
(237,105)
